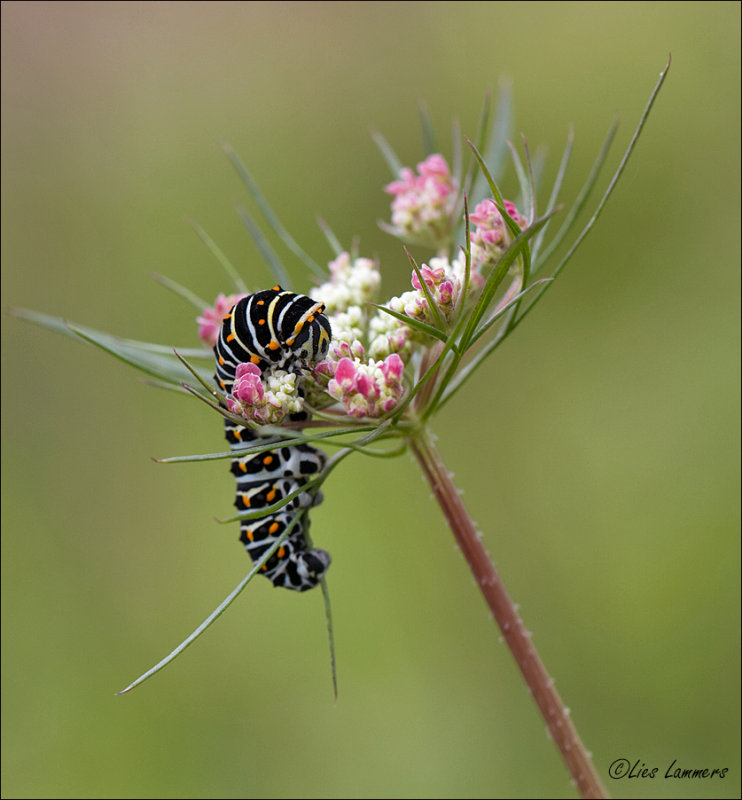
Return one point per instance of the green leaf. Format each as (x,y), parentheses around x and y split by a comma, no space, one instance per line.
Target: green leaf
(181,291)
(456,157)
(234,276)
(582,196)
(432,305)
(406,238)
(207,385)
(494,188)
(156,360)
(525,182)
(467,265)
(497,275)
(553,199)
(280,275)
(218,611)
(393,162)
(332,240)
(496,148)
(611,186)
(513,226)
(330,636)
(426,124)
(481,331)
(270,217)
(428,330)
(272,443)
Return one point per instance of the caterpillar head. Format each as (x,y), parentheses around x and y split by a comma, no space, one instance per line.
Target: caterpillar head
(310,341)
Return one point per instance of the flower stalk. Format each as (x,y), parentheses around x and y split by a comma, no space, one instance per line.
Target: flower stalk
(518,639)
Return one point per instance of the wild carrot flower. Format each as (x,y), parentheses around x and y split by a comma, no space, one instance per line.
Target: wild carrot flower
(424,203)
(266,403)
(443,280)
(369,389)
(352,284)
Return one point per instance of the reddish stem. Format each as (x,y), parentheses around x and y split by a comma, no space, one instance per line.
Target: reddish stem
(555,714)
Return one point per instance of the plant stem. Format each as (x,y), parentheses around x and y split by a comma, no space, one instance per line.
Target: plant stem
(556,715)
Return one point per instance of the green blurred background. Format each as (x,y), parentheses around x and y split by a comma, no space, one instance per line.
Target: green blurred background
(598,451)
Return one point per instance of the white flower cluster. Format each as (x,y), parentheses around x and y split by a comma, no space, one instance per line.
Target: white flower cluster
(265,399)
(351,284)
(282,392)
(444,280)
(348,326)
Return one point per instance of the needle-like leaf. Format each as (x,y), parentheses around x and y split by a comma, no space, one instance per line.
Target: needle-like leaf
(216,251)
(269,215)
(217,612)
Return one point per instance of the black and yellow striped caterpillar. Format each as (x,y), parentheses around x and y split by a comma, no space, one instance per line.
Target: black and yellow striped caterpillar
(275,329)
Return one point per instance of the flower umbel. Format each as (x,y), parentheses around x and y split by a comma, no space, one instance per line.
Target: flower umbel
(424,203)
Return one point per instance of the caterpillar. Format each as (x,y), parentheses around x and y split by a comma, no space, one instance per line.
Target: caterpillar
(275,329)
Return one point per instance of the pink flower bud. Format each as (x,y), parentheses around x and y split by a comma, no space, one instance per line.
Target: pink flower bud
(434,165)
(210,321)
(484,212)
(490,237)
(325,368)
(345,373)
(446,292)
(247,387)
(364,385)
(393,367)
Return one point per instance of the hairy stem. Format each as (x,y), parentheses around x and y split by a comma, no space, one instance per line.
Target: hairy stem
(554,712)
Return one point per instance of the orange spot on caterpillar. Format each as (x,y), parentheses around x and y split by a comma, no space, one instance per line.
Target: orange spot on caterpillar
(273,528)
(273,345)
(255,359)
(230,338)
